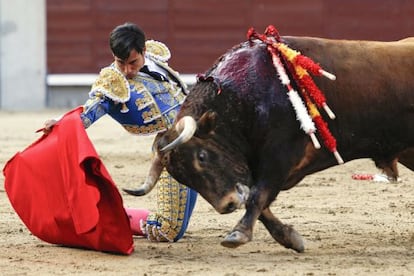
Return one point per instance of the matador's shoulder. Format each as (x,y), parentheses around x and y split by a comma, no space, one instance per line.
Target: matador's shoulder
(160,54)
(112,84)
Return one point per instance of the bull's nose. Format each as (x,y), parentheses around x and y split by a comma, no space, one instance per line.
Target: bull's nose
(231,206)
(236,199)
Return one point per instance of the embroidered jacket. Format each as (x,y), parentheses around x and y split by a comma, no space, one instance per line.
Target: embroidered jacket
(142,105)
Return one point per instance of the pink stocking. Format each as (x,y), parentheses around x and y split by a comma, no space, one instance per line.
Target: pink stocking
(135,216)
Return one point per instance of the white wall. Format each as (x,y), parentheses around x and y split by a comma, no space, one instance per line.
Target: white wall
(22,54)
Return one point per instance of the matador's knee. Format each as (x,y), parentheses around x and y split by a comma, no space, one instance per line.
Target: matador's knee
(175,204)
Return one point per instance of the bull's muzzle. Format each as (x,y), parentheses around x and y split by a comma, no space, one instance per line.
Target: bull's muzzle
(234,200)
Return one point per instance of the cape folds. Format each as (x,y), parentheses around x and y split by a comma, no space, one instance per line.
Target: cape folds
(64,194)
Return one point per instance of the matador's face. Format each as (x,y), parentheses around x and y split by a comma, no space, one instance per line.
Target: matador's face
(130,66)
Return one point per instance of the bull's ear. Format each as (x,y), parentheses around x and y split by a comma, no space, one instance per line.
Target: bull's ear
(206,124)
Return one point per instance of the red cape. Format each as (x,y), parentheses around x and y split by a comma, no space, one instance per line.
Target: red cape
(63,193)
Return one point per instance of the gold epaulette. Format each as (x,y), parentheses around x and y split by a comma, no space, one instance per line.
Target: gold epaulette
(112,84)
(157,50)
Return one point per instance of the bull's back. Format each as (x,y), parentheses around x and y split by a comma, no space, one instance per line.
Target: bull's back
(368,73)
(373,94)
(368,58)
(407,40)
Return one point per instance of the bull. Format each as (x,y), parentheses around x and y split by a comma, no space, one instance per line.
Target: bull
(236,139)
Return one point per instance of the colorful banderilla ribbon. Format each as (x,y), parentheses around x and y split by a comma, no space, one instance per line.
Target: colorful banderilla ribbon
(299,66)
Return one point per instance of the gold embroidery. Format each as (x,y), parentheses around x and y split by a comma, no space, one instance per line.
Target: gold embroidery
(152,114)
(157,50)
(157,126)
(144,101)
(164,92)
(171,207)
(171,116)
(112,84)
(138,85)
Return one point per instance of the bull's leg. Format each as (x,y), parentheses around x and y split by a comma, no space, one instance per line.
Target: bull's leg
(282,233)
(242,232)
(389,167)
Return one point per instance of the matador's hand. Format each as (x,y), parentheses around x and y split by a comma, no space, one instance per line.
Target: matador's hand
(48,126)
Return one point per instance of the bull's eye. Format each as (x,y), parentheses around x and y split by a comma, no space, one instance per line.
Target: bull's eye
(202,156)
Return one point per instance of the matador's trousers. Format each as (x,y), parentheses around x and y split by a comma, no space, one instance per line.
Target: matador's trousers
(175,204)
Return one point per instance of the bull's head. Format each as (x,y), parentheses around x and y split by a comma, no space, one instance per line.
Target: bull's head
(194,155)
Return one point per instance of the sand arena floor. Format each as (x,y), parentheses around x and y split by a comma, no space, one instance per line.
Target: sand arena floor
(351,227)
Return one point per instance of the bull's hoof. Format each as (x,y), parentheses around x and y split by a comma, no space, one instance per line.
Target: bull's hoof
(235,239)
(296,241)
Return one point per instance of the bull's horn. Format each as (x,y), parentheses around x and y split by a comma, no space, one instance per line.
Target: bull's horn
(151,180)
(186,127)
